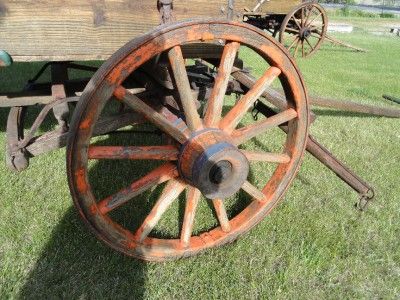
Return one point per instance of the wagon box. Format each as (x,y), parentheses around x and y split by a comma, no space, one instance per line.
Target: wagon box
(90,30)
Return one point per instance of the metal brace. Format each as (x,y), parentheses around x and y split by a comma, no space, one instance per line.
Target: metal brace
(165,7)
(365,199)
(231,9)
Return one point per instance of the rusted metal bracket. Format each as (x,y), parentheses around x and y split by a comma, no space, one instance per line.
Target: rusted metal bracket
(59,76)
(166,7)
(322,154)
(231,9)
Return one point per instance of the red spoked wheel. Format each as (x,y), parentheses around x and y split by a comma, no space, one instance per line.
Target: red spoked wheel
(210,146)
(304,29)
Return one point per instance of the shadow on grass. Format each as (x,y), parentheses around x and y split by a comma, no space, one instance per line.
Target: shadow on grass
(75,265)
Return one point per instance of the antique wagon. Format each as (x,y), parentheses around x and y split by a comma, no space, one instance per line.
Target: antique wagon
(301,26)
(174,110)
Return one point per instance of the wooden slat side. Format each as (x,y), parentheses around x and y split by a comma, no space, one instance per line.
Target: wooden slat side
(89,30)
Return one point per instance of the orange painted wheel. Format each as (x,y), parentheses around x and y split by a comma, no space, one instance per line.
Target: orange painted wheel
(130,189)
(304,29)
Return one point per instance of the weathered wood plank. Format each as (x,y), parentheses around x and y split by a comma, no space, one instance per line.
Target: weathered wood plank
(33,30)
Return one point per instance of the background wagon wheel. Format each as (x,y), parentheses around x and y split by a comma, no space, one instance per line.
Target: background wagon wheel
(304,29)
(205,154)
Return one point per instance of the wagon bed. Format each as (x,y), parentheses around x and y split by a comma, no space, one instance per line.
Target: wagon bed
(93,30)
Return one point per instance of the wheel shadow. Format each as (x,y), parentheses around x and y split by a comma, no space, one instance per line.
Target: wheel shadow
(75,265)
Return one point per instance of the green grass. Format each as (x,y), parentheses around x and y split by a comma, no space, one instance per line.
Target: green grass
(314,245)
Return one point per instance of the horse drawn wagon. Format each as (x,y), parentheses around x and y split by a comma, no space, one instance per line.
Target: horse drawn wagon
(174,110)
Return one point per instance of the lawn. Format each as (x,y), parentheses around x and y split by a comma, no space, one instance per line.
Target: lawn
(314,245)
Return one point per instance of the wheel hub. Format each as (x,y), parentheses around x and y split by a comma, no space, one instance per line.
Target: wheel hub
(211,162)
(220,172)
(305,33)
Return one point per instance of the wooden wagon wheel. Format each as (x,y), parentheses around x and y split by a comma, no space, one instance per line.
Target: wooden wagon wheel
(203,157)
(304,29)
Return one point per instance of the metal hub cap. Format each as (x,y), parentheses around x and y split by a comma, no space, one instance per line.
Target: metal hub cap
(213,164)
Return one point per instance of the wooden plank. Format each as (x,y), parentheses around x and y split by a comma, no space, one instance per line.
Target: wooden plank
(92,30)
(60,30)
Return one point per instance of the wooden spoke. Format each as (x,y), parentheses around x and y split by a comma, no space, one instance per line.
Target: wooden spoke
(216,100)
(302,48)
(297,22)
(309,15)
(185,92)
(297,39)
(316,29)
(318,36)
(253,191)
(155,177)
(316,17)
(168,153)
(222,216)
(292,30)
(172,191)
(244,134)
(267,157)
(297,48)
(192,201)
(302,17)
(308,42)
(149,113)
(232,119)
